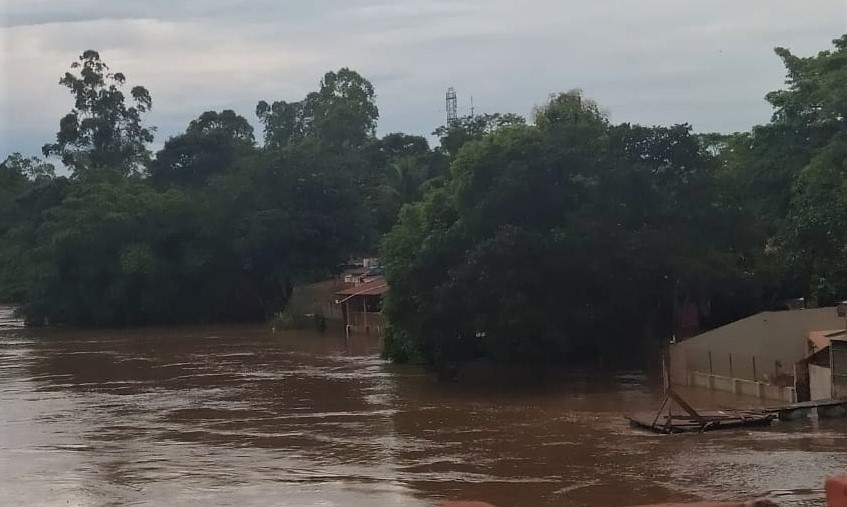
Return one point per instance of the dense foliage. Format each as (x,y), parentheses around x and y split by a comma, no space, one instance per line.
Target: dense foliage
(567,239)
(213,227)
(577,240)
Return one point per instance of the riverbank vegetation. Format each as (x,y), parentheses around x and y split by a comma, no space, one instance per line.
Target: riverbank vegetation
(574,239)
(563,237)
(213,227)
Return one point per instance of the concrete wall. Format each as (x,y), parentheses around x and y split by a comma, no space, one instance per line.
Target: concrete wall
(741,386)
(769,337)
(820,382)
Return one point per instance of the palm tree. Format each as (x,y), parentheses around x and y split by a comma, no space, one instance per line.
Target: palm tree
(408,179)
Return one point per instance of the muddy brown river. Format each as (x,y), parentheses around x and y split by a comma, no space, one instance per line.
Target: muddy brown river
(243,417)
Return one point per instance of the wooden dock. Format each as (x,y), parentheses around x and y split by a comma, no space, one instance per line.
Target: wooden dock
(665,421)
(825,409)
(708,421)
(695,421)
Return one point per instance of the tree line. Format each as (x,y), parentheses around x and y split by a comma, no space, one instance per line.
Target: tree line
(576,240)
(214,226)
(561,238)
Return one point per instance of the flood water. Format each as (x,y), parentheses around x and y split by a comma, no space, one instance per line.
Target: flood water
(239,416)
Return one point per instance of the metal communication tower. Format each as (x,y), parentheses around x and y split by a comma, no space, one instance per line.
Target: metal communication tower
(452,105)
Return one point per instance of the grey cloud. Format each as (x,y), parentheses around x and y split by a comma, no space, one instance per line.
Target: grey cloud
(707,62)
(34,12)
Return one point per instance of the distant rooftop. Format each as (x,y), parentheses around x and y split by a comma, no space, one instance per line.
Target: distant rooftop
(375,287)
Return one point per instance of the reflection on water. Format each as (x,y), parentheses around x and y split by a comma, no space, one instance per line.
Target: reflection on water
(239,416)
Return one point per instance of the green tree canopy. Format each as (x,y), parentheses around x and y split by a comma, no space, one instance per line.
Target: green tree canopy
(572,239)
(468,128)
(342,112)
(213,228)
(210,145)
(549,236)
(807,149)
(102,134)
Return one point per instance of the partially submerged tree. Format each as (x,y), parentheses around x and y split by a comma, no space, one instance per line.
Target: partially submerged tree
(571,240)
(551,236)
(219,231)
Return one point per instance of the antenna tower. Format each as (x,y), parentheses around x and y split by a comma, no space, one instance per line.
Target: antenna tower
(452,105)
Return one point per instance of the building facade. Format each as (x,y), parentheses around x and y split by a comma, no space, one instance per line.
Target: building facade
(758,356)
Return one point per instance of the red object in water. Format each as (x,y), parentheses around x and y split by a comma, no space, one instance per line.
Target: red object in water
(755,503)
(752,503)
(836,496)
(836,491)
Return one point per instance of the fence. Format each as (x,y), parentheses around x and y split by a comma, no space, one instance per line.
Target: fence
(317,298)
(737,373)
(362,319)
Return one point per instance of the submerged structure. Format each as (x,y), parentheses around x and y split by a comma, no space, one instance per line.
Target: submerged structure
(690,420)
(770,355)
(361,305)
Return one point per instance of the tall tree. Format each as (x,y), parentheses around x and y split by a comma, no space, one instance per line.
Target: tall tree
(284,123)
(210,145)
(102,134)
(810,126)
(816,97)
(345,111)
(342,113)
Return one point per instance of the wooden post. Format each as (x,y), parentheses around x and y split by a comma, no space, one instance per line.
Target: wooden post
(755,375)
(670,415)
(365,313)
(710,364)
(831,371)
(659,413)
(730,366)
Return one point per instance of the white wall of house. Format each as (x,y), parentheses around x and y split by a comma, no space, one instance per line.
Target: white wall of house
(820,382)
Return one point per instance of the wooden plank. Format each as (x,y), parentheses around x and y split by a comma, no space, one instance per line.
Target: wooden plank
(808,404)
(675,425)
(685,406)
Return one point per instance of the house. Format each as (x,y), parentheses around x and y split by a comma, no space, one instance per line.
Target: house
(361,305)
(824,371)
(758,355)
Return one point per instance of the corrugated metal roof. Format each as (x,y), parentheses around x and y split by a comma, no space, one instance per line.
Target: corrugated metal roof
(819,340)
(375,287)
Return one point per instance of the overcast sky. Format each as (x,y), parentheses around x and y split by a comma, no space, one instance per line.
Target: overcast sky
(705,62)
